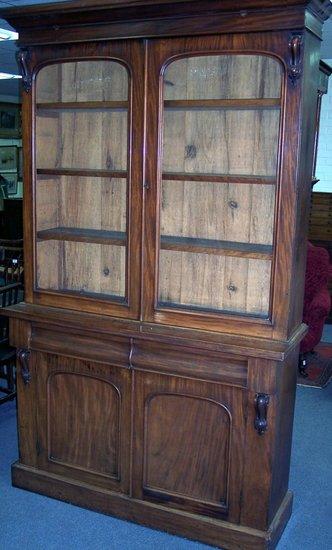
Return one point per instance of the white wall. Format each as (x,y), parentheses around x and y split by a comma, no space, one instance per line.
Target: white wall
(324,153)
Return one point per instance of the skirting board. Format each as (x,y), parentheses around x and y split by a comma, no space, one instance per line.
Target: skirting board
(210,531)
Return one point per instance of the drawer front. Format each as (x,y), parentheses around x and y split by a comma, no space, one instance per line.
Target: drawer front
(190,363)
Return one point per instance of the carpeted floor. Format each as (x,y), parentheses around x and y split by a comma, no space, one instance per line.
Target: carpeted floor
(318,367)
(32,522)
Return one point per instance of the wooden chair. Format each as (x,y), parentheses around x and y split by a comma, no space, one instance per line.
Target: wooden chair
(9,295)
(11,261)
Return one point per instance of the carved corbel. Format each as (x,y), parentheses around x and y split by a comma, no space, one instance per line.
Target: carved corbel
(22,58)
(23,356)
(295,65)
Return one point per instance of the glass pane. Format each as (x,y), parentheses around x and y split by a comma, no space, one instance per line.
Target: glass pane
(81,267)
(82,81)
(221,141)
(223,77)
(81,214)
(228,212)
(82,202)
(214,282)
(82,139)
(221,129)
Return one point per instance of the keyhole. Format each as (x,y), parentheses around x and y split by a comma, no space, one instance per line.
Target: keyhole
(106,271)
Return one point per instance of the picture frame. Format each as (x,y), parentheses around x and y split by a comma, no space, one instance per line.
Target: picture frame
(10,120)
(12,181)
(20,163)
(8,158)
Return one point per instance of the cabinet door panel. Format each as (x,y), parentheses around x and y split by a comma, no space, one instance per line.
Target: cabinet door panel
(83,420)
(189,444)
(217,133)
(87,177)
(84,431)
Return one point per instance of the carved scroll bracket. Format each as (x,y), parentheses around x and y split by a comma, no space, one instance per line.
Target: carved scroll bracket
(22,58)
(295,65)
(23,356)
(261,404)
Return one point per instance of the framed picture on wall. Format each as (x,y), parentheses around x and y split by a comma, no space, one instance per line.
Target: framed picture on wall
(8,158)
(10,120)
(20,163)
(11,183)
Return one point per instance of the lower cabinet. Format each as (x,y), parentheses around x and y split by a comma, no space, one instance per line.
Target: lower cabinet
(189,439)
(171,437)
(186,445)
(83,420)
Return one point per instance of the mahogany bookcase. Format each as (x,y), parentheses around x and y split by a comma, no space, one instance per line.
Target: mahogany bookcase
(168,149)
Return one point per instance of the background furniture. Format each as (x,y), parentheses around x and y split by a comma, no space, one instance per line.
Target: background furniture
(320,221)
(11,224)
(317,300)
(9,295)
(167,192)
(320,227)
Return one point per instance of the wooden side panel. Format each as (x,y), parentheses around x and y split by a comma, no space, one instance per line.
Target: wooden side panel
(83,420)
(259,449)
(20,334)
(188,444)
(308,113)
(286,388)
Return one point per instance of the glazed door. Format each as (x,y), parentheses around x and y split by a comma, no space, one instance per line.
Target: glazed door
(212,187)
(87,176)
(83,420)
(189,444)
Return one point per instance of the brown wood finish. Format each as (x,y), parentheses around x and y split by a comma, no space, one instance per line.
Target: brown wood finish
(219,178)
(208,482)
(216,104)
(166,195)
(192,526)
(196,339)
(82,235)
(65,427)
(76,172)
(143,19)
(99,105)
(129,54)
(210,246)
(157,59)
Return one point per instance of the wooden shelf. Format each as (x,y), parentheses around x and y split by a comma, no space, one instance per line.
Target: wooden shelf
(221,248)
(96,236)
(82,105)
(78,172)
(216,104)
(220,178)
